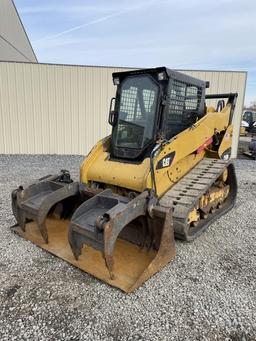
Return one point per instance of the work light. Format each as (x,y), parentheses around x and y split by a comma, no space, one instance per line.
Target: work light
(116,81)
(161,76)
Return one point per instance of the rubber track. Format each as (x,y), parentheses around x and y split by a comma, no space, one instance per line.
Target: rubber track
(184,196)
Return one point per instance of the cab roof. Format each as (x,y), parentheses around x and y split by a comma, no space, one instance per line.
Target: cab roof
(170,74)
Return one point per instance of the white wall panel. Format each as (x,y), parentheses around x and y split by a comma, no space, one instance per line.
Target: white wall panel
(63,109)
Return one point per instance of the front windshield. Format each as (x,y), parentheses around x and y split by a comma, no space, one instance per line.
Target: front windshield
(136,114)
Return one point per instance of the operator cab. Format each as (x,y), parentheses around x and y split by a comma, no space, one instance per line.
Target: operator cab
(152,104)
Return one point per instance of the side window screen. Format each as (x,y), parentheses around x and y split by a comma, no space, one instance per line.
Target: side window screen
(175,101)
(191,102)
(182,98)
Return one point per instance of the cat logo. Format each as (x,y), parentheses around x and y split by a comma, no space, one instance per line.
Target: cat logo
(166,161)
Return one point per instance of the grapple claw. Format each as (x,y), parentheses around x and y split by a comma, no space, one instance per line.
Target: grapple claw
(43,231)
(35,201)
(113,228)
(110,265)
(101,221)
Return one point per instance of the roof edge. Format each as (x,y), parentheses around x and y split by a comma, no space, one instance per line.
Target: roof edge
(119,67)
(24,30)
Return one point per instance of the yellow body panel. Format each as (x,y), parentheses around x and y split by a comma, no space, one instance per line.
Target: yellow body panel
(98,167)
(137,177)
(167,177)
(226,141)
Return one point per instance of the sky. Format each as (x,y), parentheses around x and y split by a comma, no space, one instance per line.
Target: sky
(179,34)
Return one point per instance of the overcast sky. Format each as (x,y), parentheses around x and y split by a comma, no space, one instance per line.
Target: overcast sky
(189,34)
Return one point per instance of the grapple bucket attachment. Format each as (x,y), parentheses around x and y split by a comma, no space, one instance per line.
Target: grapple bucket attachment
(133,245)
(35,201)
(109,236)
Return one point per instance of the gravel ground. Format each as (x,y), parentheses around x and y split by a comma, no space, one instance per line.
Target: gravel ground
(207,293)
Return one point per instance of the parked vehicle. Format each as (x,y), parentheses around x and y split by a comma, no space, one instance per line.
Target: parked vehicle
(249,117)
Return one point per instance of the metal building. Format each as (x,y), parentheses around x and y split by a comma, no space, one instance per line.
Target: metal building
(14,42)
(63,109)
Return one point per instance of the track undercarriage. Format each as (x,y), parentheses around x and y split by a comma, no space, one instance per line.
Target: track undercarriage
(206,192)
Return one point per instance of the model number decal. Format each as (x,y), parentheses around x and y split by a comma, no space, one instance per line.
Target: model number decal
(165,161)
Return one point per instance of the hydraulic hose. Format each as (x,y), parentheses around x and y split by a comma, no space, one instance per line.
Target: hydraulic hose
(152,170)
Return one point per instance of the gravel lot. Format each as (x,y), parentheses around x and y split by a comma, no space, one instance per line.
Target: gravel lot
(207,293)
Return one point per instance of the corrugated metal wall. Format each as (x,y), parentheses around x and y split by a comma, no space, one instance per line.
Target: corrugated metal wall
(63,109)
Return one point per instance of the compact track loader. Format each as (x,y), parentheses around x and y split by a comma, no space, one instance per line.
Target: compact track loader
(164,172)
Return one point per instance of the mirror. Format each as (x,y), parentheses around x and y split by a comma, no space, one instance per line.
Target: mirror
(112,118)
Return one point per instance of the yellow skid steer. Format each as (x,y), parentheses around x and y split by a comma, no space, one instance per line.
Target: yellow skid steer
(164,172)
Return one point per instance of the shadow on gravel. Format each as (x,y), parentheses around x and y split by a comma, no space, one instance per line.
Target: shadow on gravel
(12,290)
